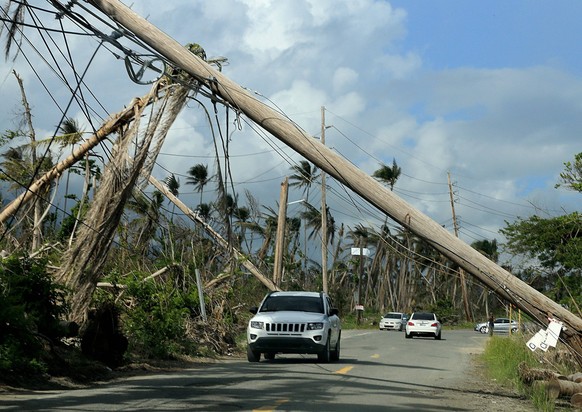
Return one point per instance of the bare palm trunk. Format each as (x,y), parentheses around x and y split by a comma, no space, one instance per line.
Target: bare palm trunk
(84,196)
(37,229)
(83,262)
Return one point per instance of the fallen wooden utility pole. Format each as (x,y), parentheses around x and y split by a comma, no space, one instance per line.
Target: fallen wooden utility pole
(219,239)
(105,130)
(496,278)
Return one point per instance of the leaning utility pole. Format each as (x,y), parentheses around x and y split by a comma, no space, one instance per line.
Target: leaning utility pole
(503,283)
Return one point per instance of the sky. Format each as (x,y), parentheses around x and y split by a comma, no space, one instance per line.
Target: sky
(487,92)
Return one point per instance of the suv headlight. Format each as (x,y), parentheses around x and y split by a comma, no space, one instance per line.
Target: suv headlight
(255,324)
(315,325)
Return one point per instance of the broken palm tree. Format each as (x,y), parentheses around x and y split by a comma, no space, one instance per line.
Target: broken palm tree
(135,151)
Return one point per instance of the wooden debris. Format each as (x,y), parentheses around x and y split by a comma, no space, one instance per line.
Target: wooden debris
(529,375)
(576,400)
(575,377)
(557,388)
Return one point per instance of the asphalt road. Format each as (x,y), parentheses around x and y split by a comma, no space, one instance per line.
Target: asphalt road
(377,371)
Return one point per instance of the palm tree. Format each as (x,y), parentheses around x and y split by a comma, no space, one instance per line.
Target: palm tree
(242,215)
(71,135)
(312,217)
(304,175)
(145,226)
(489,249)
(205,211)
(173,185)
(198,176)
(19,171)
(388,175)
(14,22)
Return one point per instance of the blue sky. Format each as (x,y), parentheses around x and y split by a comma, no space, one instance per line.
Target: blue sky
(489,92)
(493,34)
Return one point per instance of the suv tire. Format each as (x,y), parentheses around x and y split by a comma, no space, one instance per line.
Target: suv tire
(253,356)
(335,354)
(325,356)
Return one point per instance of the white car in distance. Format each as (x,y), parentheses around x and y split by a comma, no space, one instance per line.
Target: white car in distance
(423,324)
(393,321)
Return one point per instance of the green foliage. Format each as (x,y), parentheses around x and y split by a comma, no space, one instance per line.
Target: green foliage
(30,304)
(557,244)
(156,324)
(68,223)
(555,241)
(502,357)
(445,312)
(572,175)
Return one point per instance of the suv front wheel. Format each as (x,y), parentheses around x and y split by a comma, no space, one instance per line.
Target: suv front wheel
(252,355)
(325,356)
(335,354)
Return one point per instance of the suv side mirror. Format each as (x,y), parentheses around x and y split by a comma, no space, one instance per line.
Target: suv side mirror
(333,311)
(253,310)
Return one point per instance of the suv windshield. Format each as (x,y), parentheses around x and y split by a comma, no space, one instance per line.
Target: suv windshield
(393,316)
(292,303)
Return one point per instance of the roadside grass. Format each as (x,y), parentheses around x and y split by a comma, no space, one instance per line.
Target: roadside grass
(502,356)
(368,320)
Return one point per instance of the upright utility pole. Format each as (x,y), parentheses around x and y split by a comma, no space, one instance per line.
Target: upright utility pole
(323,212)
(461,271)
(507,286)
(360,277)
(280,238)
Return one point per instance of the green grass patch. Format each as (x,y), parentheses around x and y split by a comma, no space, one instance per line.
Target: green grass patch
(503,354)
(368,320)
(502,357)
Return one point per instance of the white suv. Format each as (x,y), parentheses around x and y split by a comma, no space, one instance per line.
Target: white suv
(294,322)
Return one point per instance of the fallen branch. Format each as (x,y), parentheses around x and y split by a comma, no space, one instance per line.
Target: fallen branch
(529,375)
(152,276)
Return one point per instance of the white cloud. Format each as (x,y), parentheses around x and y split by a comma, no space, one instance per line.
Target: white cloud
(344,77)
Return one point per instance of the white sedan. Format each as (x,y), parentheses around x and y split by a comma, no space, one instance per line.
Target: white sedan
(423,324)
(393,320)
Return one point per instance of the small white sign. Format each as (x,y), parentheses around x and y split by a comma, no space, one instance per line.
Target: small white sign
(546,338)
(356,251)
(359,307)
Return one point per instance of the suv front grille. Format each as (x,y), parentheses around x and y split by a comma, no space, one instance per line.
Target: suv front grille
(285,327)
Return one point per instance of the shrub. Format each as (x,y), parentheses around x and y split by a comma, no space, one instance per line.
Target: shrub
(30,307)
(155,324)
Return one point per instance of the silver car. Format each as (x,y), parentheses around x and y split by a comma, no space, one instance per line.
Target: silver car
(500,325)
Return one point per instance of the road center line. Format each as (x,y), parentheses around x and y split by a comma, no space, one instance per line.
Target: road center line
(271,408)
(344,370)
